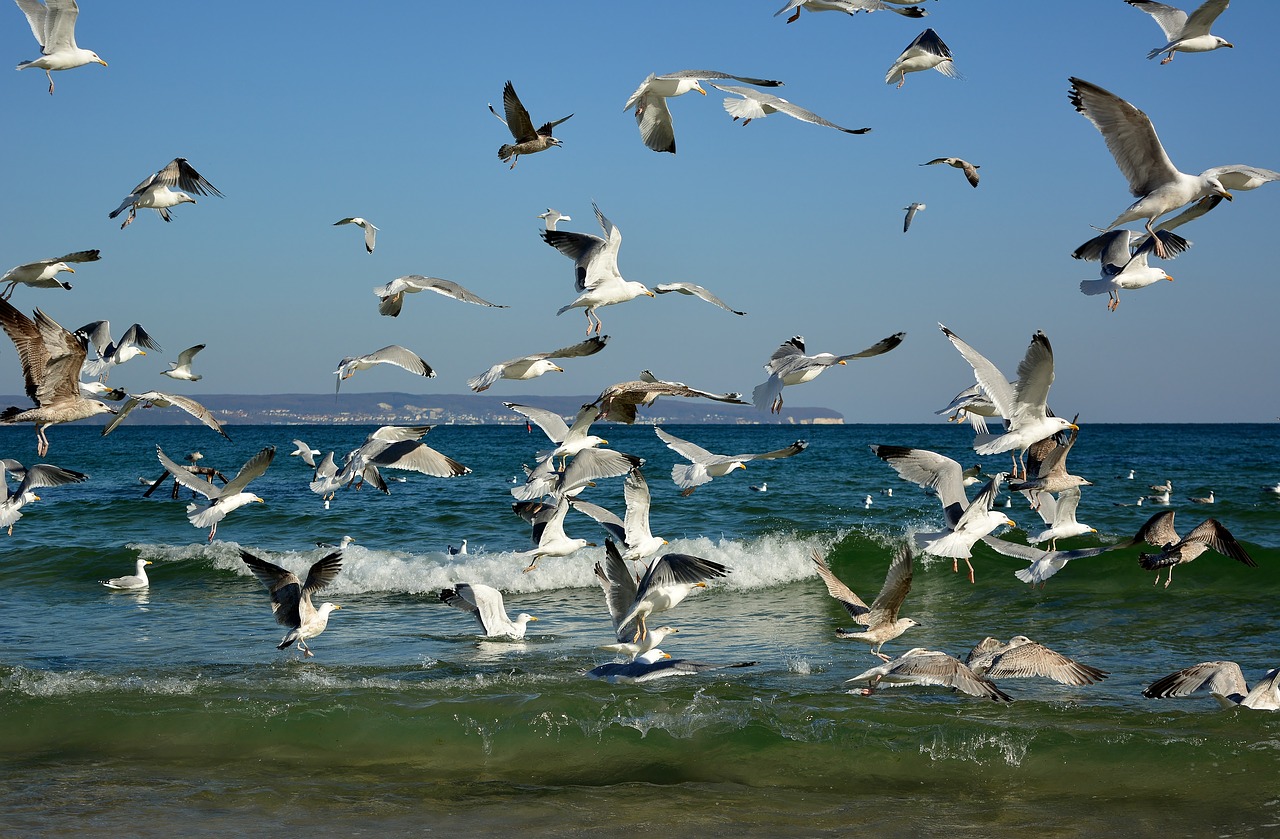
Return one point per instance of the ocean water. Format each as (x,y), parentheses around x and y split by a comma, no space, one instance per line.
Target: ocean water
(170,710)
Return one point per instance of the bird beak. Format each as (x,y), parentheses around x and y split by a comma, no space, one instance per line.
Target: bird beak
(36,497)
(260,501)
(1227,195)
(70,270)
(336,608)
(1073,426)
(1011,522)
(104,64)
(841,362)
(1229,45)
(1167,277)
(650,293)
(532,618)
(699,585)
(148,562)
(604,442)
(558,369)
(142,352)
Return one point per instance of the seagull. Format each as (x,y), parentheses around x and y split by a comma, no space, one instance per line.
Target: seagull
(1225,681)
(881,617)
(484,603)
(222,500)
(790,366)
(867,501)
(43,273)
(1205,500)
(569,439)
(181,369)
(305,452)
(926,52)
(53,22)
(966,521)
(370,230)
(704,465)
(756,104)
(619,402)
(551,217)
(1042,564)
(1153,179)
(156,399)
(29,479)
(1021,404)
(461,550)
(155,191)
(1022,658)
(342,543)
(650,102)
(391,295)
(1123,268)
(1060,514)
(595,264)
(911,209)
(531,366)
(971,404)
(51,358)
(763,486)
(930,667)
(132,582)
(527,139)
(1047,469)
(551,538)
(665,584)
(1208,535)
(694,290)
(392,447)
(586,467)
(1165,487)
(970,169)
(654,664)
(291,599)
(113,353)
(849,7)
(633,531)
(393,354)
(1183,33)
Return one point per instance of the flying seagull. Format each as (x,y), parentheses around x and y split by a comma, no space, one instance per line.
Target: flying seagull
(1225,681)
(370,231)
(595,269)
(391,295)
(29,480)
(291,598)
(484,603)
(756,104)
(1185,33)
(704,465)
(1022,658)
(1210,534)
(650,102)
(911,210)
(156,191)
(970,170)
(113,353)
(527,139)
(926,52)
(552,217)
(393,354)
(1123,268)
(156,399)
(221,500)
(694,290)
(620,402)
(849,7)
(790,366)
(53,22)
(930,667)
(43,273)
(181,369)
(881,617)
(667,582)
(531,366)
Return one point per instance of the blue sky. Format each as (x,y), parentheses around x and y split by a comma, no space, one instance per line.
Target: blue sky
(379,110)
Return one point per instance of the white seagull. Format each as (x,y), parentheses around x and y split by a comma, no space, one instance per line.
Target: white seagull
(484,603)
(595,264)
(849,7)
(970,169)
(1185,33)
(756,104)
(531,366)
(790,366)
(911,210)
(29,480)
(43,273)
(694,290)
(1225,681)
(551,217)
(370,231)
(704,465)
(156,191)
(114,353)
(221,500)
(551,538)
(304,451)
(291,598)
(181,369)
(393,354)
(131,582)
(53,22)
(650,102)
(667,582)
(926,52)
(156,399)
(391,295)
(1124,267)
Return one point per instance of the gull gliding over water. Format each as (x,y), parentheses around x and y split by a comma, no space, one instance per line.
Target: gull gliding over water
(53,22)
(484,603)
(531,366)
(291,598)
(595,269)
(650,102)
(528,140)
(926,52)
(1225,681)
(1183,33)
(1208,535)
(156,191)
(393,354)
(849,7)
(619,402)
(156,399)
(694,290)
(756,104)
(881,617)
(370,231)
(221,500)
(704,465)
(181,369)
(391,295)
(43,273)
(113,353)
(970,169)
(1022,658)
(790,366)
(29,479)
(51,358)
(930,667)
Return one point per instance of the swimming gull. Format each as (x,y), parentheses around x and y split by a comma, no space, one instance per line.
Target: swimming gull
(53,22)
(370,230)
(1225,681)
(705,465)
(665,584)
(911,210)
(484,603)
(1185,33)
(342,543)
(528,140)
(595,269)
(43,273)
(930,667)
(1208,499)
(650,102)
(291,598)
(156,399)
(114,353)
(391,295)
(695,290)
(551,217)
(51,358)
(531,366)
(849,7)
(790,366)
(551,538)
(304,451)
(881,617)
(156,191)
(1022,658)
(29,480)
(181,369)
(1123,266)
(970,169)
(392,354)
(461,550)
(763,486)
(221,500)
(655,664)
(1210,534)
(131,582)
(756,104)
(926,52)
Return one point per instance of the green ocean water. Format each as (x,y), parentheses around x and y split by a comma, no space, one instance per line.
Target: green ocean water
(171,710)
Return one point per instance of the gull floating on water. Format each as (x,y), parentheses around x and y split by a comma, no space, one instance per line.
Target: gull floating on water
(926,52)
(1183,33)
(531,366)
(850,7)
(156,399)
(53,22)
(1225,681)
(181,369)
(393,354)
(881,617)
(756,104)
(391,295)
(114,353)
(527,139)
(970,169)
(704,465)
(695,290)
(131,582)
(156,191)
(1210,534)
(51,358)
(291,598)
(461,550)
(370,231)
(551,217)
(43,273)
(221,500)
(930,667)
(1208,499)
(911,210)
(1022,658)
(29,480)
(650,102)
(484,603)
(790,366)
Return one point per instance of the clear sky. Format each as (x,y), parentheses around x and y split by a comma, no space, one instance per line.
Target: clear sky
(303,113)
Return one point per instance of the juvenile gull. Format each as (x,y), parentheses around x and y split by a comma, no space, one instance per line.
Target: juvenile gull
(881,617)
(370,231)
(527,139)
(43,273)
(156,399)
(53,22)
(29,480)
(391,295)
(970,169)
(291,599)
(1225,681)
(704,465)
(1047,469)
(156,191)
(131,582)
(221,500)
(930,667)
(531,366)
(619,402)
(484,603)
(181,369)
(911,209)
(1183,33)
(695,290)
(1022,658)
(790,366)
(1208,535)
(393,354)
(1208,499)
(51,358)
(756,104)
(926,52)
(650,102)
(114,353)
(849,7)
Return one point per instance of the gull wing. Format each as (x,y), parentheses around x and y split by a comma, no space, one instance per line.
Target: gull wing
(993,383)
(897,582)
(605,518)
(1129,136)
(183,175)
(551,423)
(635,492)
(1212,534)
(790,451)
(183,476)
(1234,176)
(1156,531)
(1219,677)
(1035,375)
(620,595)
(284,585)
(760,102)
(1029,659)
(701,75)
(518,120)
(414,456)
(696,291)
(684,448)
(47,475)
(252,468)
(878,348)
(933,471)
(679,569)
(844,595)
(323,571)
(1202,18)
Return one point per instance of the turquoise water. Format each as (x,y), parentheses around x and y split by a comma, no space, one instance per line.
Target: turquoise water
(171,710)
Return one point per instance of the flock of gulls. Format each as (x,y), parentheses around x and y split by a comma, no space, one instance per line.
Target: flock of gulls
(67,382)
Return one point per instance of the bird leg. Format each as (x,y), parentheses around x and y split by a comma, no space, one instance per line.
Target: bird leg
(1169,578)
(777,404)
(532,566)
(1114,302)
(1164,61)
(50,76)
(42,443)
(902,79)
(213,530)
(970,564)
(1161,251)
(794,17)
(133,211)
(515,158)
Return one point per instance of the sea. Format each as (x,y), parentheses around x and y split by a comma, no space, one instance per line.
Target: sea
(169,711)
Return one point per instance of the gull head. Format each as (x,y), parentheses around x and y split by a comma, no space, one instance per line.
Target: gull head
(97,406)
(93,57)
(1216,186)
(183,198)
